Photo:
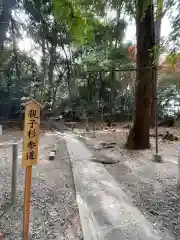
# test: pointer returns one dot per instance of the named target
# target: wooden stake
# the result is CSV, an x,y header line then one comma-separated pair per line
x,y
30,155
27,194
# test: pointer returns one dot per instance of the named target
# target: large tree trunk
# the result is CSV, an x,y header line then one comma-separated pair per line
x,y
139,133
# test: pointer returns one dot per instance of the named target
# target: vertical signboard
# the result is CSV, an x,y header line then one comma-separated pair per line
x,y
31,134
30,155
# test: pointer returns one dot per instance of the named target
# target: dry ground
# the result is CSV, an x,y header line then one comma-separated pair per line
x,y
152,186
54,212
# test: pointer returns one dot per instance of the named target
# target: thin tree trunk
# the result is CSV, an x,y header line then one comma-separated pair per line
x,y
157,43
68,65
139,133
50,72
5,17
113,73
51,62
18,72
43,62
117,26
54,97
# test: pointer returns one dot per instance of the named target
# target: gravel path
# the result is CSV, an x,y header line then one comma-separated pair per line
x,y
151,186
54,212
157,200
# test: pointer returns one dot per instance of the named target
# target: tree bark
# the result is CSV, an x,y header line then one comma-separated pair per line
x,y
52,56
5,17
18,72
139,133
157,43
43,60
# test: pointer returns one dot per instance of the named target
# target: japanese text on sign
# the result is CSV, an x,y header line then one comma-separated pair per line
x,y
31,134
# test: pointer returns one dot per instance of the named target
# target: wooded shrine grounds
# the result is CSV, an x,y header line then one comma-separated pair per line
x,y
105,77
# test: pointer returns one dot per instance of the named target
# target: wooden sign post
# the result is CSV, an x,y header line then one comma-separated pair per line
x,y
30,155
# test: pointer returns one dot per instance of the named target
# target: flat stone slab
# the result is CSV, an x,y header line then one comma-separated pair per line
x,y
106,212
97,157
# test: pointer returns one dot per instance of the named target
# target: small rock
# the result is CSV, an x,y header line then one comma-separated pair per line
x,y
153,212
170,137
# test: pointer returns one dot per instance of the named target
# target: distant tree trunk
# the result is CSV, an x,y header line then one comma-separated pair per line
x,y
153,108
50,72
43,61
157,43
52,59
54,97
5,17
139,133
18,72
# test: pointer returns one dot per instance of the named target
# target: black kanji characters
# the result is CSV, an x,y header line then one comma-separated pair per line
x,y
31,133
32,122
32,113
31,145
30,155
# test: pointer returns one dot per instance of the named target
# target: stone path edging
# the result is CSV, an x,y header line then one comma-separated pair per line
x,y
105,210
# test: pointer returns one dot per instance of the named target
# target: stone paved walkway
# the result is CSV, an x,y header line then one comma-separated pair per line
x,y
105,210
